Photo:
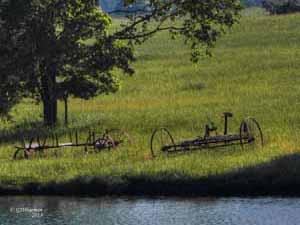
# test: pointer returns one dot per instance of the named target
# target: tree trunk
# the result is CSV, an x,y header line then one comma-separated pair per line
x,y
50,111
49,97
66,110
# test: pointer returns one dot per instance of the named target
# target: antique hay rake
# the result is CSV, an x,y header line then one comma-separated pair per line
x,y
94,142
249,134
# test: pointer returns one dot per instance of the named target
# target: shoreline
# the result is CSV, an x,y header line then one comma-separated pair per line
x,y
153,190
279,177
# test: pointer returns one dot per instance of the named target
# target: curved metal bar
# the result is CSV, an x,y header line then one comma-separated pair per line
x,y
162,129
245,122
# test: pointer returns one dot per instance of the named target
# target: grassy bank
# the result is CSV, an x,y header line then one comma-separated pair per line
x,y
254,71
279,177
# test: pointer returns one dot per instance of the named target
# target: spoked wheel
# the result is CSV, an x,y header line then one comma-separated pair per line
x,y
20,154
27,151
119,137
105,142
110,139
160,140
251,135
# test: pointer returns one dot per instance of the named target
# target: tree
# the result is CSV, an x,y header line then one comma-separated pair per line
x,y
54,48
46,51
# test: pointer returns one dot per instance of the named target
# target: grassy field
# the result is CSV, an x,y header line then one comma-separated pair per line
x,y
254,71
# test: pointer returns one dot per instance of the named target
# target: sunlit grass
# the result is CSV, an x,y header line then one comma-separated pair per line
x,y
254,71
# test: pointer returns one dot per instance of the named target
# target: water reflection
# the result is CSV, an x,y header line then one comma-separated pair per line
x,y
146,211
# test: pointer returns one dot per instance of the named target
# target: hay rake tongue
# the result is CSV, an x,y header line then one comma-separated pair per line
x,y
249,135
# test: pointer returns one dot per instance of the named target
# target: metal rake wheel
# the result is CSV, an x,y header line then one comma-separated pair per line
x,y
251,135
160,138
119,137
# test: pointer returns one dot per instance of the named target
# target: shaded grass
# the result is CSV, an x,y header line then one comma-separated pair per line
x,y
262,179
254,71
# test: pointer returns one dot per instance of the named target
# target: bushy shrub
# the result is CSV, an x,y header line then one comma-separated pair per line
x,y
281,6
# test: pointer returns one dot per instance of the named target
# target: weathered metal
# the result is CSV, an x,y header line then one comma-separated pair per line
x,y
250,134
95,142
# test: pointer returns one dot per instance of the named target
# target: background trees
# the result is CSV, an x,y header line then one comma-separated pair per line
x,y
249,3
108,5
281,6
115,5
56,48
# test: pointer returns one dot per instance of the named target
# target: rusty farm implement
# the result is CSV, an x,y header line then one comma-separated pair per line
x,y
94,142
249,134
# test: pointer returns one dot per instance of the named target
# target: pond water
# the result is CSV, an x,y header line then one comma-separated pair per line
x,y
148,211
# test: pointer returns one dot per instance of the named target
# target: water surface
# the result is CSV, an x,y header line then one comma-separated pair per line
x,y
148,211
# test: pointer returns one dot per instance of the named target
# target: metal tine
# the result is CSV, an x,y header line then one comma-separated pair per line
x,y
89,137
52,138
87,142
23,142
70,136
56,139
45,140
76,136
94,138
38,140
30,142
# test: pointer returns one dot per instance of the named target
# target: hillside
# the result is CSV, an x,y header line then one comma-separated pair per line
x,y
251,2
113,5
254,71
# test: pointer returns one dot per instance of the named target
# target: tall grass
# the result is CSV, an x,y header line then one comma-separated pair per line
x,y
254,71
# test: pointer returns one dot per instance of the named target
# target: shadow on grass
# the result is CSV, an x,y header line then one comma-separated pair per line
x,y
27,130
280,176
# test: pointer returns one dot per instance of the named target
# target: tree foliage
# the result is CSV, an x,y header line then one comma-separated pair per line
x,y
281,6
57,47
45,51
200,23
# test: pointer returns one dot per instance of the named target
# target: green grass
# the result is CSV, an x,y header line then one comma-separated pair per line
x,y
254,71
